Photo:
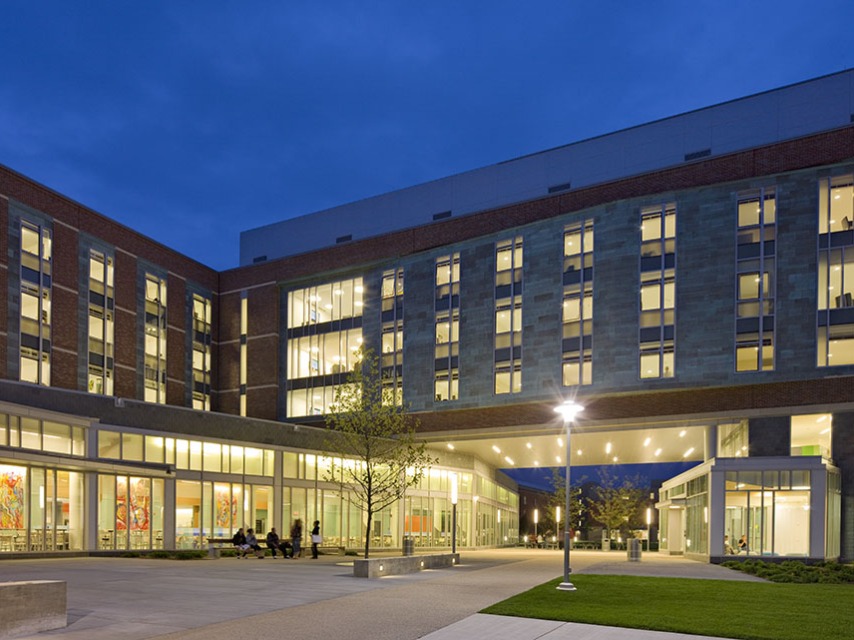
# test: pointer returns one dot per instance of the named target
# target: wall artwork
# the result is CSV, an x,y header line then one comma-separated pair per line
x,y
12,481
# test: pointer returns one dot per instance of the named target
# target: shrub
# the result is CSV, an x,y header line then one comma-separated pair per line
x,y
797,572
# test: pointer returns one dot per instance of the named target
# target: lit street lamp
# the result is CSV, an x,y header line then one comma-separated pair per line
x,y
568,410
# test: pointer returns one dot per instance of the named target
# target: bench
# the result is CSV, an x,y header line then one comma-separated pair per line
x,y
31,607
399,565
215,545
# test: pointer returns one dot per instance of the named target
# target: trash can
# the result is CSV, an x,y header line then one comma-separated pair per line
x,y
633,550
606,544
408,546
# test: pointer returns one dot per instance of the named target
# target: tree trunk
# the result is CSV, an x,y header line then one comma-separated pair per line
x,y
368,534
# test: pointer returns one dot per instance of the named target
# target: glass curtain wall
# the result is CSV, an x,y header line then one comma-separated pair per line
x,y
508,316
391,366
324,333
155,339
36,287
40,509
130,512
770,510
447,354
577,345
201,353
658,291
101,323
756,275
836,272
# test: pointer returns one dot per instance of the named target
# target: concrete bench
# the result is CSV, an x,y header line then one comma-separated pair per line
x,y
31,607
399,565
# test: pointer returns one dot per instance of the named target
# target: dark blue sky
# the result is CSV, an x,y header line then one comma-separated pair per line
x,y
192,121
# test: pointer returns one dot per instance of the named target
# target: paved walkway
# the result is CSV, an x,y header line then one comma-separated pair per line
x,y
137,599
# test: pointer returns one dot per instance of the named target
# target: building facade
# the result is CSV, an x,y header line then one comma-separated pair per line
x,y
688,281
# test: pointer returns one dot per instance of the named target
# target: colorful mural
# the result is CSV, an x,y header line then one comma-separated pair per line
x,y
12,481
226,507
138,516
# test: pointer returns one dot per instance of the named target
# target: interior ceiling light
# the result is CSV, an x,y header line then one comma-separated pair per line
x,y
450,446
557,458
657,452
536,463
509,460
560,442
529,445
822,418
615,458
578,452
688,453
496,449
682,433
608,448
647,441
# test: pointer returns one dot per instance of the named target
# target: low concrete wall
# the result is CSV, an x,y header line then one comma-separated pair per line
x,y
398,565
31,607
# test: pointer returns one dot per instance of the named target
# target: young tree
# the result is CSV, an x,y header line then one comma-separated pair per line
x,y
576,502
376,440
617,505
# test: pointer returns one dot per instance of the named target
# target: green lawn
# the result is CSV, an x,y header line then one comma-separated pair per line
x,y
729,609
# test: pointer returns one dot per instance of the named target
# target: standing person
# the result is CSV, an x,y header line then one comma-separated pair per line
x,y
239,542
252,543
316,539
296,538
273,542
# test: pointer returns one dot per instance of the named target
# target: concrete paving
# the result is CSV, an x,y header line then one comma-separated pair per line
x,y
137,599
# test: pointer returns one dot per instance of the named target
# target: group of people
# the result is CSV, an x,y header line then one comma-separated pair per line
x,y
244,542
742,546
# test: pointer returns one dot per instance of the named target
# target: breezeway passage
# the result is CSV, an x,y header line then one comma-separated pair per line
x,y
137,598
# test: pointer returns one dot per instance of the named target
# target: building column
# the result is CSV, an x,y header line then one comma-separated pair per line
x,y
770,436
842,451
711,441
169,506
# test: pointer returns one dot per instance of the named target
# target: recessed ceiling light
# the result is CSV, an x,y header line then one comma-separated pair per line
x,y
536,463
578,452
557,458
615,458
682,433
560,442
688,453
496,449
509,460
450,446
657,452
529,445
647,441
608,448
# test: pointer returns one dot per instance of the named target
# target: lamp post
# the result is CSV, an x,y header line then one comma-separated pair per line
x,y
536,522
454,510
568,410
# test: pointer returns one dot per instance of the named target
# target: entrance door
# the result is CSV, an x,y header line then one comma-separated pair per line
x,y
676,531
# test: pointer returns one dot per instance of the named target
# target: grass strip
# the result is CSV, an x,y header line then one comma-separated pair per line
x,y
723,608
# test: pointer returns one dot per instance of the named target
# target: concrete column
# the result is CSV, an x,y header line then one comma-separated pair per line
x,y
842,451
717,509
818,514
711,442
169,500
770,436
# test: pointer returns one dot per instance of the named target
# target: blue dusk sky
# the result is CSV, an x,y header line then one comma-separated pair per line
x,y
191,121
